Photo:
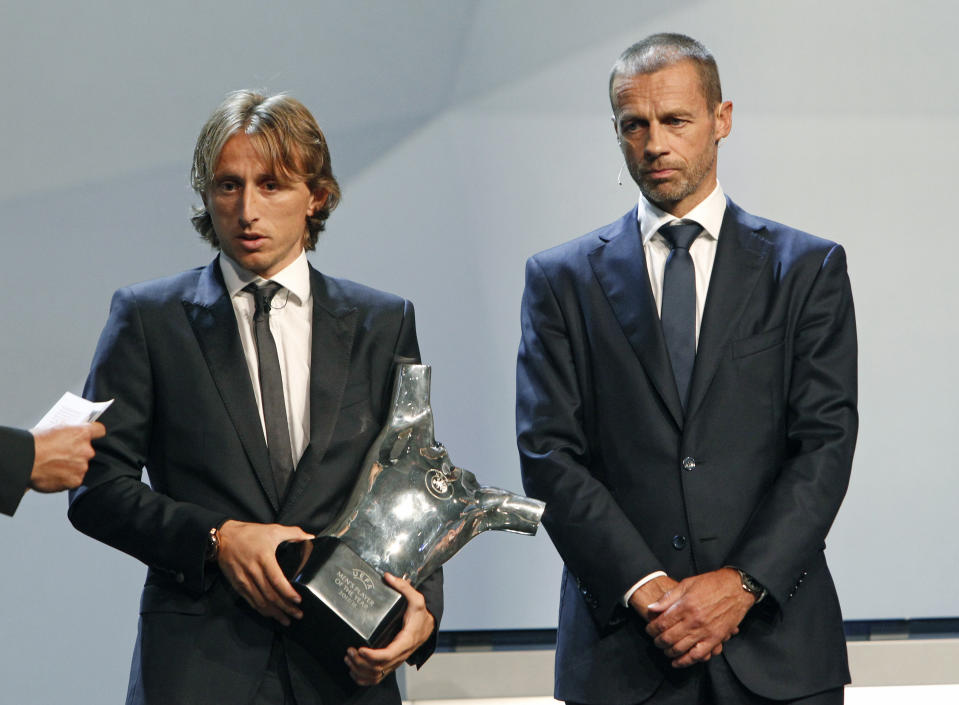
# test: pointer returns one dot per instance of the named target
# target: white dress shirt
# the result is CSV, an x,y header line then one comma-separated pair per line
x,y
708,213
291,323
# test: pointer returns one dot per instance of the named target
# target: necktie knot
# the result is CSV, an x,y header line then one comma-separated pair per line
x,y
680,235
263,296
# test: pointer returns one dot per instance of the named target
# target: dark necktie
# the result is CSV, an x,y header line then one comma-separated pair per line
x,y
271,387
679,304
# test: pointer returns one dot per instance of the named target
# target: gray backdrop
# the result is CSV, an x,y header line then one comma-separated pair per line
x,y
467,136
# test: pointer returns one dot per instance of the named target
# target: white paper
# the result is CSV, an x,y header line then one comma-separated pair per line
x,y
72,410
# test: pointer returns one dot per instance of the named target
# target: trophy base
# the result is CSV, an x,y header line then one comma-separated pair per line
x,y
345,601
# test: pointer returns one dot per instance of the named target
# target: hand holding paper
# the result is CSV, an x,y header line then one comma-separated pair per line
x,y
63,443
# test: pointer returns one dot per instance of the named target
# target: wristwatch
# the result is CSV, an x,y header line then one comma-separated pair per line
x,y
212,545
751,585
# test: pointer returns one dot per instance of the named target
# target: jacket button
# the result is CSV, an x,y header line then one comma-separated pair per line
x,y
679,542
689,464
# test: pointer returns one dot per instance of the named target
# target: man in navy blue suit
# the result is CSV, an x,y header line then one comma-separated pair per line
x,y
250,389
686,406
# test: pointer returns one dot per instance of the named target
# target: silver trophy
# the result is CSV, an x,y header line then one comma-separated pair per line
x,y
410,510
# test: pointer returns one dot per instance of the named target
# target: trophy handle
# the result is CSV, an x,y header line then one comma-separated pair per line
x,y
506,511
411,416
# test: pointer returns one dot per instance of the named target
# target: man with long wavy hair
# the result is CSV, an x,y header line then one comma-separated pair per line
x,y
250,389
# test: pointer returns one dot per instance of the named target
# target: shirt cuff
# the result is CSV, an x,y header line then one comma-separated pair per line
x,y
637,586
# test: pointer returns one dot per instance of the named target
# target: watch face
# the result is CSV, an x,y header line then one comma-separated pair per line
x,y
750,584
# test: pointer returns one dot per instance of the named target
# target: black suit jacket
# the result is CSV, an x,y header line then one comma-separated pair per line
x,y
752,476
185,409
16,463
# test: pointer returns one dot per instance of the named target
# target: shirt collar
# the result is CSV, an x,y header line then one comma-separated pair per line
x,y
708,213
295,277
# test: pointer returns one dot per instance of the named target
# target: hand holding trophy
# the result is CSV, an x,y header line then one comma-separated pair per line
x,y
410,511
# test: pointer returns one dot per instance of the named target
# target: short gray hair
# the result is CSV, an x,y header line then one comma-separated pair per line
x,y
658,51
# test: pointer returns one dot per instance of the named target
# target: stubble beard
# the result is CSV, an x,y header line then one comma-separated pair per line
x,y
667,193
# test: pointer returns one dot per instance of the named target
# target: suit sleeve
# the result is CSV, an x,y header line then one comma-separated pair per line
x,y
596,540
114,505
16,464
790,525
406,349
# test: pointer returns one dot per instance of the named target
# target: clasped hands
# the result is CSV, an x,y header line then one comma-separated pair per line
x,y
247,557
690,620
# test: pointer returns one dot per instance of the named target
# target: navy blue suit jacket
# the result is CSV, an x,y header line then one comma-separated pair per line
x,y
769,432
171,356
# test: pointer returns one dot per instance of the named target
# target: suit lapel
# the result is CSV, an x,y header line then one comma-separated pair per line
x,y
214,324
332,340
740,255
620,268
